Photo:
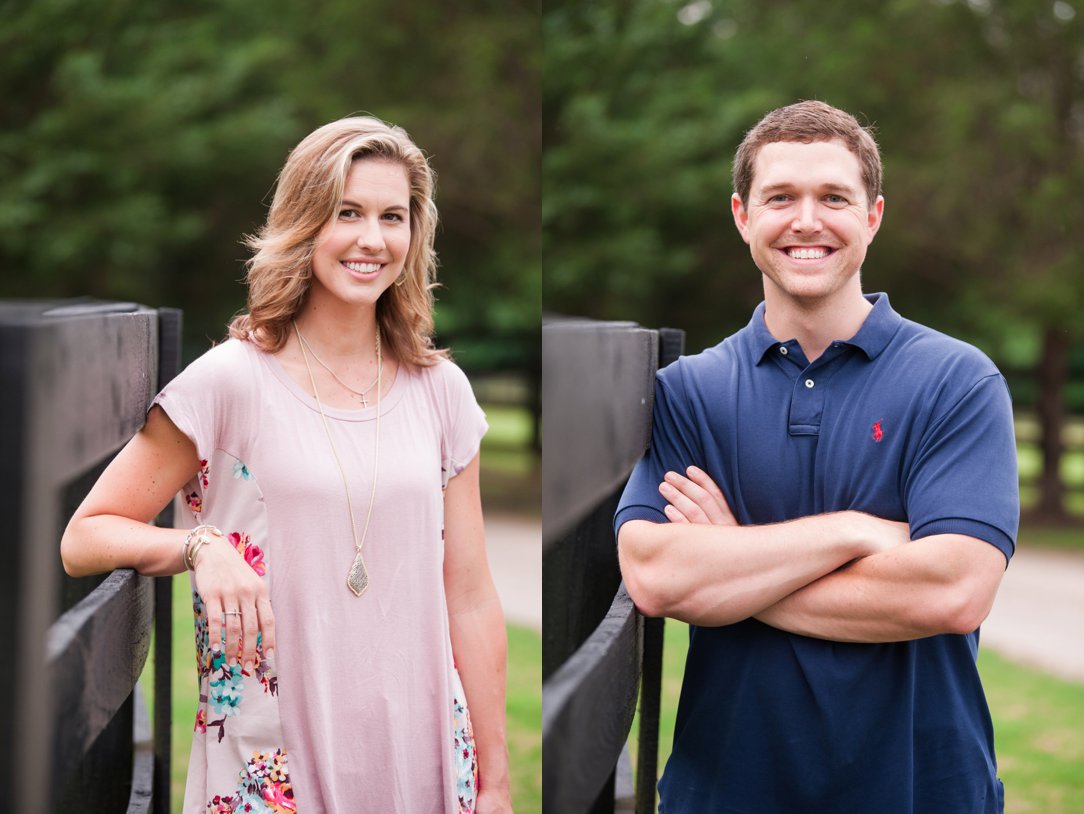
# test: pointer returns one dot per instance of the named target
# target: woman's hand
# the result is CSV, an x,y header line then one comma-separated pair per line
x,y
493,802
233,592
695,499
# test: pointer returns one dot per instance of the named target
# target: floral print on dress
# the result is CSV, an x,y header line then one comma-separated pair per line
x,y
264,788
225,682
466,758
252,554
204,474
241,471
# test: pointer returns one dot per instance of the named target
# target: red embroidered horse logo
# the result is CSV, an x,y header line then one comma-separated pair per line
x,y
878,431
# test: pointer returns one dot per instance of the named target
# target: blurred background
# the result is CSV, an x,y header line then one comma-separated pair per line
x,y
139,141
979,110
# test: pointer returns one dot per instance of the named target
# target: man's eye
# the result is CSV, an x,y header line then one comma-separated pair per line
x,y
836,199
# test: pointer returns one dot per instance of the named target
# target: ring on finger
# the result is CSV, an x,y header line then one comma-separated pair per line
x,y
231,613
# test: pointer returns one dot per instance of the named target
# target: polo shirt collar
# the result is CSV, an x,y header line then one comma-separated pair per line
x,y
872,338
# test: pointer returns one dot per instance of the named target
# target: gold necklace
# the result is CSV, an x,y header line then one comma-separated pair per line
x,y
357,579
361,394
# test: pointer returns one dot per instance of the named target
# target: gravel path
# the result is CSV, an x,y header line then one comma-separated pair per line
x,y
514,546
1038,616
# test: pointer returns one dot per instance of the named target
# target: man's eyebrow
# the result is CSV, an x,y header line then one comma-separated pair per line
x,y
786,186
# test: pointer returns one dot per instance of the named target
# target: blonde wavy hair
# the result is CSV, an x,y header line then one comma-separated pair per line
x,y
307,197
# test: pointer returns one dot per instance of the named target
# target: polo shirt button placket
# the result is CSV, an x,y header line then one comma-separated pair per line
x,y
809,383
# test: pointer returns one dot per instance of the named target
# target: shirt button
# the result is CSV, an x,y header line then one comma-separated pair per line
x,y
783,350
808,382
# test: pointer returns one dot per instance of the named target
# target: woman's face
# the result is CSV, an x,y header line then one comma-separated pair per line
x,y
361,251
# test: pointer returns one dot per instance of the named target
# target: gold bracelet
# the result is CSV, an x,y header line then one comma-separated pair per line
x,y
189,551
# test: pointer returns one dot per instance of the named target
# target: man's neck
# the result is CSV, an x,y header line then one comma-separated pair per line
x,y
815,325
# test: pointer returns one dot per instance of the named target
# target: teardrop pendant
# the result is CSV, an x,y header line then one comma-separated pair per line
x,y
358,578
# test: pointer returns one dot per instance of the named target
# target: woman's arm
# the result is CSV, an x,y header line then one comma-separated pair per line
x,y
479,640
110,530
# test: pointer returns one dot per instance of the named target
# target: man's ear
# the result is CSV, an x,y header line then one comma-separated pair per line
x,y
741,217
874,216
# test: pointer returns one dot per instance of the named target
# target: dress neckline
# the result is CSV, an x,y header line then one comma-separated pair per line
x,y
387,401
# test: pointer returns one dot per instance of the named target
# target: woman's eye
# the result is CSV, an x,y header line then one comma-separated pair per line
x,y
348,213
395,217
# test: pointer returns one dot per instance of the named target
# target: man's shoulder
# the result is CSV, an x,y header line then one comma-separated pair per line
x,y
708,366
938,354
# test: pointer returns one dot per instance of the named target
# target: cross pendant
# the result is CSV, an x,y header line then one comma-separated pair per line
x,y
364,401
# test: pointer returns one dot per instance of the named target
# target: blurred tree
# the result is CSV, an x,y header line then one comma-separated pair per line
x,y
979,112
140,140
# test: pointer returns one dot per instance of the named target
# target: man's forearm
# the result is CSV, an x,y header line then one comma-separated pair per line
x,y
718,575
940,584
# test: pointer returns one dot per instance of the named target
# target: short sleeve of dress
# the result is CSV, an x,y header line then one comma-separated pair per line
x,y
212,402
463,423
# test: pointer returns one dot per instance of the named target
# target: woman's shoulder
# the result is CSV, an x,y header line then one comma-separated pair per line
x,y
443,370
226,366
230,355
444,381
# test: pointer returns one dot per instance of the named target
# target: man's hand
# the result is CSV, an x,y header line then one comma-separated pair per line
x,y
695,498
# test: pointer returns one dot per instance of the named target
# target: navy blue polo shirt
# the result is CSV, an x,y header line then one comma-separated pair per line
x,y
901,422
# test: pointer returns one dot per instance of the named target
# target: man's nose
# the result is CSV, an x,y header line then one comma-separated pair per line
x,y
806,219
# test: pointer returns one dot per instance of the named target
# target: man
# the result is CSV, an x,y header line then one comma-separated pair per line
x,y
865,512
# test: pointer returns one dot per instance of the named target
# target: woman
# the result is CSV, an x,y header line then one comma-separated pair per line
x,y
329,457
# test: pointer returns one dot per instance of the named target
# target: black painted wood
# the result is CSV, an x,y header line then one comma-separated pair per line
x,y
170,324
671,346
76,378
597,391
96,652
580,576
587,709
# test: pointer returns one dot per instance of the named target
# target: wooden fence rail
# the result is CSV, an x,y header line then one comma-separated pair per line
x,y
597,390
76,379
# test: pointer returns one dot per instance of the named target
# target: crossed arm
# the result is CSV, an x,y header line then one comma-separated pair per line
x,y
845,576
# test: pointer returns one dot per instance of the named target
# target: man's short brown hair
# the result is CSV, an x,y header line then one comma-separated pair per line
x,y
808,122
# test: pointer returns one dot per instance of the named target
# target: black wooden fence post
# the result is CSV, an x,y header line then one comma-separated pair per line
x,y
671,346
76,379
598,386
170,322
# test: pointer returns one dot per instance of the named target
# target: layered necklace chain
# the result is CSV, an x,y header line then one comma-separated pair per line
x,y
357,579
361,394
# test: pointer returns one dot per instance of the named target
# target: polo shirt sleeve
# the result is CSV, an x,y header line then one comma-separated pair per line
x,y
964,477
673,443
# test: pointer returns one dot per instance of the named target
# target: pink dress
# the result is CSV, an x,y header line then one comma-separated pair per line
x,y
360,708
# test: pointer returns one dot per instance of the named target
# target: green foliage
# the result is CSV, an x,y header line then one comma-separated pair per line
x,y
139,143
977,108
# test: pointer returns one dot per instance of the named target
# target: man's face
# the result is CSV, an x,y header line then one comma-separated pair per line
x,y
808,222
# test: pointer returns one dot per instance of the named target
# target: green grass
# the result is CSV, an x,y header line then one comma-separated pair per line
x,y
524,704
524,708
1039,737
1038,728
